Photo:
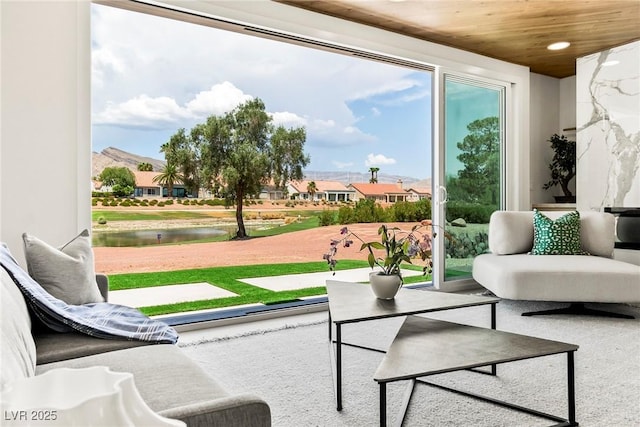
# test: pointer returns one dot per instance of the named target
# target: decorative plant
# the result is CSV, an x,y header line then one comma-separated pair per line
x,y
563,164
399,246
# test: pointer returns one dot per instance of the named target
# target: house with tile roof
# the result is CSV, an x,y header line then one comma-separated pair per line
x,y
146,187
416,194
331,191
383,193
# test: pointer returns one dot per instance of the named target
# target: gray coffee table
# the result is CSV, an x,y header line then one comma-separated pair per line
x,y
354,302
426,347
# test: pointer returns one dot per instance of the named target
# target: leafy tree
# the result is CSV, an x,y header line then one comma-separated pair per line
x,y
122,190
286,154
374,175
169,177
145,167
312,189
241,151
181,151
480,155
121,180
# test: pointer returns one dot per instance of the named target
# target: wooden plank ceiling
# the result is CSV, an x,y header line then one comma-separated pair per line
x,y
516,31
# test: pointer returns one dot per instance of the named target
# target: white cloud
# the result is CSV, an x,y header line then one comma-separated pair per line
x,y
378,159
393,86
220,99
404,98
341,165
288,120
143,111
375,112
103,63
162,111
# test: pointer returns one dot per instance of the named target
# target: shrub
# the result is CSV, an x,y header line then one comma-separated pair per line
x,y
466,246
367,211
471,212
345,215
273,215
327,217
102,220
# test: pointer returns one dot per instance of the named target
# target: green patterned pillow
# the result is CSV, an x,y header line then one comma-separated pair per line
x,y
559,237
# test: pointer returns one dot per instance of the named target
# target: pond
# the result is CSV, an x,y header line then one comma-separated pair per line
x,y
162,236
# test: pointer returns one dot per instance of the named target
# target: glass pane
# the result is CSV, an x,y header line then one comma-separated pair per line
x,y
473,141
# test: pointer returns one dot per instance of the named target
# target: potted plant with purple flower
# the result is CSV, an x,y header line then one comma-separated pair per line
x,y
395,246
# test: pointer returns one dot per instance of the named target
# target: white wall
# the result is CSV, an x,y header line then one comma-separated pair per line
x,y
567,113
545,98
553,108
45,114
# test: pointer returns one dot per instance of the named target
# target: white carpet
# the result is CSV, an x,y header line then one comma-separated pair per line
x,y
290,368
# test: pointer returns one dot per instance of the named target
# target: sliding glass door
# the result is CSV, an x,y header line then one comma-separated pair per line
x,y
470,174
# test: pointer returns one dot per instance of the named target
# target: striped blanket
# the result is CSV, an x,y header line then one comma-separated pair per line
x,y
101,320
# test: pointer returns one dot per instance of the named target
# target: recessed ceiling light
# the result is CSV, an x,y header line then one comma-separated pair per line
x,y
558,46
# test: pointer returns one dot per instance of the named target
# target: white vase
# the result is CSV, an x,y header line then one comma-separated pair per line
x,y
88,397
385,286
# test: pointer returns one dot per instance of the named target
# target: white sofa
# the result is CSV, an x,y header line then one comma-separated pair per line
x,y
510,272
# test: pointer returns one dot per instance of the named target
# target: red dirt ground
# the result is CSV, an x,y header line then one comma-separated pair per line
x,y
300,246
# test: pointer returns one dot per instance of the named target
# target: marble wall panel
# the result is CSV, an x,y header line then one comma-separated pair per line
x,y
608,128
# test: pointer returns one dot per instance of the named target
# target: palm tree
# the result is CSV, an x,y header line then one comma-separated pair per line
x,y
312,189
145,167
374,175
169,177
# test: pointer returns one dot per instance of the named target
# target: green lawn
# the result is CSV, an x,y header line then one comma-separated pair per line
x,y
227,278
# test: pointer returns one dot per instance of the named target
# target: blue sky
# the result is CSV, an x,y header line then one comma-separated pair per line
x,y
152,76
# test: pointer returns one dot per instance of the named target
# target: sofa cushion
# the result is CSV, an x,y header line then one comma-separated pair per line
x,y
510,232
66,273
571,278
164,375
54,347
556,237
18,350
597,233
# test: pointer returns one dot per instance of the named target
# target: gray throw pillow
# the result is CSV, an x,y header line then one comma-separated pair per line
x,y
67,273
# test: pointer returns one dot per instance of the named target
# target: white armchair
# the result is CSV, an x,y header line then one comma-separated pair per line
x,y
510,272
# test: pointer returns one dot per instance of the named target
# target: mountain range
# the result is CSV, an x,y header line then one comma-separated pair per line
x,y
114,157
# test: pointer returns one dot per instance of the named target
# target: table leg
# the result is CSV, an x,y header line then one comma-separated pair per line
x,y
383,404
494,369
571,389
338,367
